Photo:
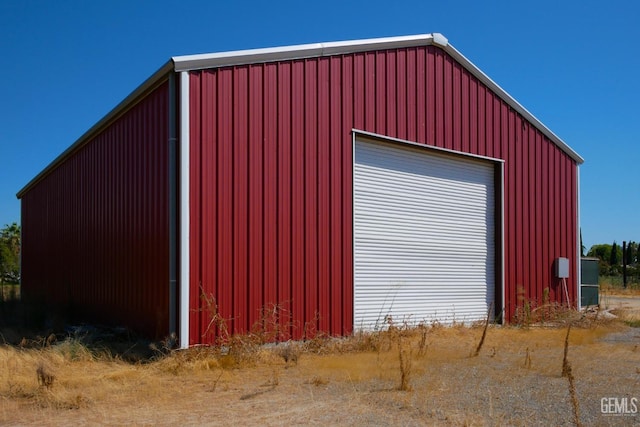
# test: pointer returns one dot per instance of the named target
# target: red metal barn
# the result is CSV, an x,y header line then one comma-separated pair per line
x,y
325,187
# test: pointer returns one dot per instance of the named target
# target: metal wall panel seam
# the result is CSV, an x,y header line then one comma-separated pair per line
x,y
380,94
239,196
323,167
256,200
311,193
270,299
421,93
298,194
400,86
334,138
184,210
196,231
283,178
346,166
206,220
197,280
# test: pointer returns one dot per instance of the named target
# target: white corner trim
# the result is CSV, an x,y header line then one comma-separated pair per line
x,y
183,174
502,244
579,243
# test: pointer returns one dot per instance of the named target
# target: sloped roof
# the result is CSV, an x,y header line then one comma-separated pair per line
x,y
213,60
253,56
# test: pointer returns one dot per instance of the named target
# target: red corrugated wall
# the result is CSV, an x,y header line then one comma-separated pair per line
x,y
95,229
271,182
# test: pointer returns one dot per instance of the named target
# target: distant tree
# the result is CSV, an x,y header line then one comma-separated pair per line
x,y
10,254
582,248
601,251
615,257
632,253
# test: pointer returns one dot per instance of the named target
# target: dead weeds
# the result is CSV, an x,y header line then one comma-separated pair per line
x,y
354,380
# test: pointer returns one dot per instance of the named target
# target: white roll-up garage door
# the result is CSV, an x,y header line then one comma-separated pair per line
x,y
424,236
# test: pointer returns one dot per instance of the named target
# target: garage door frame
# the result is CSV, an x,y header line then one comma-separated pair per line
x,y
498,165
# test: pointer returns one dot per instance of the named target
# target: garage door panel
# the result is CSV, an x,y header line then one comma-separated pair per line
x,y
424,245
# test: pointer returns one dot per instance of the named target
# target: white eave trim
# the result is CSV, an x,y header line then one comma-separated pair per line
x,y
313,50
155,79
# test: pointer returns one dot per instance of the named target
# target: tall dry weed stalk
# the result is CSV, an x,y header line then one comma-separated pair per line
x,y
404,356
527,359
523,310
398,334
217,324
484,332
422,344
595,318
290,352
274,324
45,376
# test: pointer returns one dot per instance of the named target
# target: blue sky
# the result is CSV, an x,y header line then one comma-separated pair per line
x,y
574,65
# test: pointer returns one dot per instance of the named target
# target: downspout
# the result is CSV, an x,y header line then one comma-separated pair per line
x,y
184,214
503,309
173,216
579,245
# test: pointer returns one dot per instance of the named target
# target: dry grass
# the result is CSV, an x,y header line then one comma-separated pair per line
x,y
406,376
613,286
623,304
630,317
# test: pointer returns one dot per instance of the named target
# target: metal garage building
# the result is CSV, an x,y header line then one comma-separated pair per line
x,y
323,187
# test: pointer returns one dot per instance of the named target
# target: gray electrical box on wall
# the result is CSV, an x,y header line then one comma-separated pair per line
x,y
562,268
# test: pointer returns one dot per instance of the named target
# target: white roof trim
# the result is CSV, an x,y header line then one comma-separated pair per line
x,y
512,102
155,79
253,56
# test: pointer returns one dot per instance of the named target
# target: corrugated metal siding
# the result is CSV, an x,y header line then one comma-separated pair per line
x,y
266,231
283,236
424,236
95,230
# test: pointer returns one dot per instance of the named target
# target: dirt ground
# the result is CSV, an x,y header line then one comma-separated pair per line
x,y
626,302
516,380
